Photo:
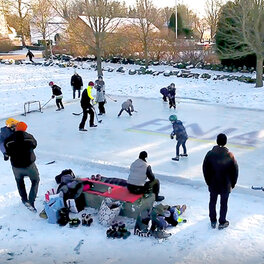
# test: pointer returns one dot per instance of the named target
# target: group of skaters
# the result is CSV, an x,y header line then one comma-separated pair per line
x,y
87,100
220,168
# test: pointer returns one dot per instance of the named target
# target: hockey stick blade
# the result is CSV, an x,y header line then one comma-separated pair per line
x,y
50,162
77,114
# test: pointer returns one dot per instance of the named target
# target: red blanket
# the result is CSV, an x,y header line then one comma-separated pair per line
x,y
117,192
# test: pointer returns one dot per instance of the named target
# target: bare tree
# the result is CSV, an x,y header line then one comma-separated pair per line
x,y
200,26
42,14
100,16
144,28
212,9
21,8
242,26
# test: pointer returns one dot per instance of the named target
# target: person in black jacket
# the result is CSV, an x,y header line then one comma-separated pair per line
x,y
20,147
87,106
76,83
30,55
220,171
56,92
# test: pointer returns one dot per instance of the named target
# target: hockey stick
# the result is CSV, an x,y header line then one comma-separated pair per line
x,y
99,121
77,114
46,103
111,98
257,188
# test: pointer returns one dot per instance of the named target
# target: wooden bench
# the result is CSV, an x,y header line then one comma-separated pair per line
x,y
132,204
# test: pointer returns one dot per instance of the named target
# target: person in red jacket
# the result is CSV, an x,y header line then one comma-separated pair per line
x,y
220,171
20,147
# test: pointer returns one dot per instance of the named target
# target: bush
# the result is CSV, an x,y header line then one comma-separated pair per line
x,y
5,45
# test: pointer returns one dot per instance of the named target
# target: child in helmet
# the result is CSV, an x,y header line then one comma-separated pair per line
x,y
127,106
56,92
99,83
181,136
6,132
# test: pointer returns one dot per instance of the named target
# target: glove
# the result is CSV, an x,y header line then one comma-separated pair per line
x,y
53,96
81,87
171,136
6,157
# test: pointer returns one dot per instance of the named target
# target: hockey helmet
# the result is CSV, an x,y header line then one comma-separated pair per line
x,y
173,118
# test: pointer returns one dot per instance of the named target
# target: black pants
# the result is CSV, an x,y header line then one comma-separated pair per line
x,y
223,206
164,98
101,107
127,110
85,115
172,102
59,103
74,91
150,186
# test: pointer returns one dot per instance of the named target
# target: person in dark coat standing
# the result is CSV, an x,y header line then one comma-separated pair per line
x,y
171,95
30,55
20,147
56,92
181,136
87,106
76,83
220,171
164,91
139,172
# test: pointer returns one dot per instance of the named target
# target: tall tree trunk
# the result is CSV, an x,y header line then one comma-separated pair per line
x,y
98,55
146,54
259,71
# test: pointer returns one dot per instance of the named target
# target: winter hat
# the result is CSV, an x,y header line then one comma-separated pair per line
x,y
11,122
221,139
21,126
172,85
51,83
143,155
100,77
91,83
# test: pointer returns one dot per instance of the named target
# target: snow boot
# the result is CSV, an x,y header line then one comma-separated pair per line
x,y
159,198
58,109
224,225
82,129
213,225
176,158
30,207
86,219
93,125
75,222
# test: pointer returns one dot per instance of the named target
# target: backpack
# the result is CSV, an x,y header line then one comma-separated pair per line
x,y
60,178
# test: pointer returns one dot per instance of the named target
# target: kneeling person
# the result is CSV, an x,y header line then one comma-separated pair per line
x,y
140,171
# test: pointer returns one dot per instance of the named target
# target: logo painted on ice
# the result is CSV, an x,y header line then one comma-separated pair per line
x,y
194,131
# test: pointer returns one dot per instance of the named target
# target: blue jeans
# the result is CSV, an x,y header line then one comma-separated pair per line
x,y
32,172
223,206
181,142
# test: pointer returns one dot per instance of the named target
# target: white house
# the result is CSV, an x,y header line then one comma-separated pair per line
x,y
55,27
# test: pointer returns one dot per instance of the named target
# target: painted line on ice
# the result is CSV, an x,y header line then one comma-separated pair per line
x,y
190,138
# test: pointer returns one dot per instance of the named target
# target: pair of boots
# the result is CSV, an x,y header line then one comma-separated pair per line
x,y
86,219
118,230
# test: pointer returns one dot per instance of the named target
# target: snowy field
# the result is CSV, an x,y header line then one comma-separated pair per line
x,y
206,107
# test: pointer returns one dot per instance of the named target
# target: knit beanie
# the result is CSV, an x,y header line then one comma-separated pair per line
x,y
21,126
143,155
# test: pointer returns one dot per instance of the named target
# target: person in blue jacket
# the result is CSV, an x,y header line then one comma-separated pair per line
x,y
164,91
181,136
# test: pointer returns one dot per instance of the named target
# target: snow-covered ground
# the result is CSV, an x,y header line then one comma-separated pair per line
x,y
206,107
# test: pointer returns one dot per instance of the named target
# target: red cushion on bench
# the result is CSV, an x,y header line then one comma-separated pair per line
x,y
117,192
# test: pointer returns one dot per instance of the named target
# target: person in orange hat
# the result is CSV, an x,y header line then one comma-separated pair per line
x,y
20,147
6,132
